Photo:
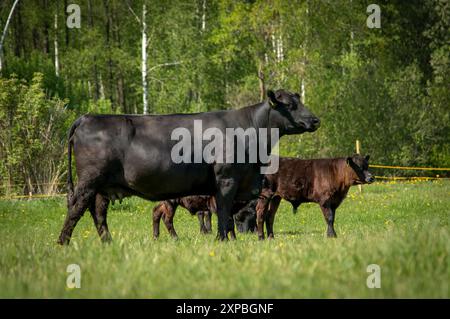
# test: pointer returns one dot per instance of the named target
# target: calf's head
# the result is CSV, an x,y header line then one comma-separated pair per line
x,y
289,114
360,166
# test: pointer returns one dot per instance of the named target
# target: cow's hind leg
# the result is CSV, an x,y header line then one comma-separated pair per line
x,y
270,216
328,214
76,207
99,211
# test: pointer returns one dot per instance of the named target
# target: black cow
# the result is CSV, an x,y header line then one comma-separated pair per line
x,y
125,155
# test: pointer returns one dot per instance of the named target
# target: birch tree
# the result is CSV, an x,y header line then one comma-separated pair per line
x,y
144,43
144,61
5,30
56,46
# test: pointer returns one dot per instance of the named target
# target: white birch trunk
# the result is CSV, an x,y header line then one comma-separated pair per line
x,y
303,89
102,87
303,84
56,46
144,62
204,15
5,30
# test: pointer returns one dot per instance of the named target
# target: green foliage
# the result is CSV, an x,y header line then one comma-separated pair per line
x,y
33,136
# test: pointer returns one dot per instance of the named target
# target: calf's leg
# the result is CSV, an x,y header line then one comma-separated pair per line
x,y
158,212
201,217
328,214
270,216
261,209
168,216
99,211
207,221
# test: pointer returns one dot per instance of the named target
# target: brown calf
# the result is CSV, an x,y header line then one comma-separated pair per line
x,y
244,214
322,181
203,206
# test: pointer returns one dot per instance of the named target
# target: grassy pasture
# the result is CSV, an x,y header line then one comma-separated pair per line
x,y
402,227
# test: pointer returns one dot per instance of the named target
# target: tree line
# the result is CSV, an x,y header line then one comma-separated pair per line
x,y
387,86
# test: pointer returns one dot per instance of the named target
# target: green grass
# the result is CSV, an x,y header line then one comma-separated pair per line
x,y
402,227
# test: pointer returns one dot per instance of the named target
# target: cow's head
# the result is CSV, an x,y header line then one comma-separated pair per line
x,y
289,114
360,166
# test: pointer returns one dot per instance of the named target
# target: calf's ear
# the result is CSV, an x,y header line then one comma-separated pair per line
x,y
349,160
272,98
367,157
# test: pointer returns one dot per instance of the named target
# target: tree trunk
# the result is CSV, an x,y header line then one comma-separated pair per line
x,y
96,82
56,46
108,46
203,15
67,33
144,62
262,85
5,30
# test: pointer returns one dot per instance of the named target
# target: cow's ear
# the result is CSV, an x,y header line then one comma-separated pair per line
x,y
367,157
272,98
297,96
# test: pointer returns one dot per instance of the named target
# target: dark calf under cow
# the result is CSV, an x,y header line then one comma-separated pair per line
x,y
130,155
244,214
322,181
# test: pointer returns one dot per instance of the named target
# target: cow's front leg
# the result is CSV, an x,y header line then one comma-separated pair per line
x,y
328,214
226,191
230,228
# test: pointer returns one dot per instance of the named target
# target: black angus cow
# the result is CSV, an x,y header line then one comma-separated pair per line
x,y
323,181
125,155
244,214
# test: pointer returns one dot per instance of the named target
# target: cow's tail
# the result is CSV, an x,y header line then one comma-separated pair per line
x,y
69,159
